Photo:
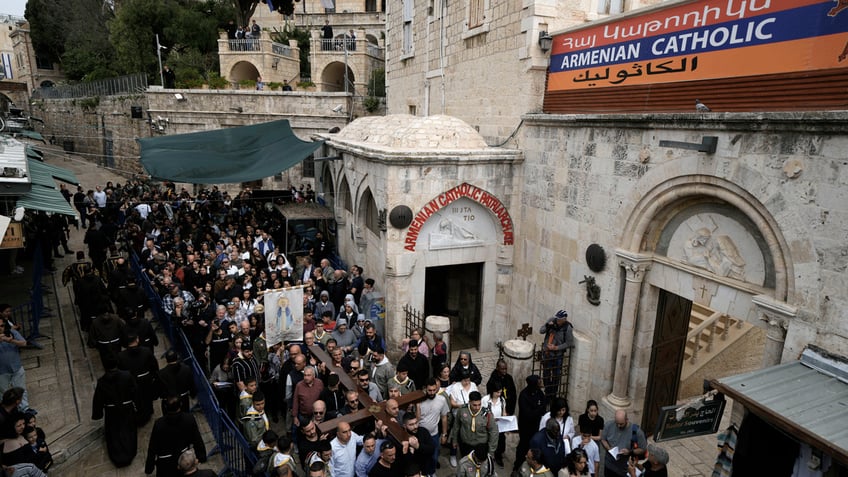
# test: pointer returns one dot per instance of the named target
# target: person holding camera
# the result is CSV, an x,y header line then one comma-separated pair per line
x,y
559,336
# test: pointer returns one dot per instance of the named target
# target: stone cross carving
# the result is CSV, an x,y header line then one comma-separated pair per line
x,y
525,331
371,409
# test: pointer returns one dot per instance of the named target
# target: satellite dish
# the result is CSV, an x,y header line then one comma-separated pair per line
x,y
19,214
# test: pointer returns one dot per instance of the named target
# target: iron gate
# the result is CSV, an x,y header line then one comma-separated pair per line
x,y
414,319
552,367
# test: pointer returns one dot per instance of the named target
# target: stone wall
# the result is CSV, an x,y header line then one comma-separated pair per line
x,y
89,122
487,76
586,180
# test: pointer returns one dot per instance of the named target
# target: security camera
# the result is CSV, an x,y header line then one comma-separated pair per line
x,y
338,109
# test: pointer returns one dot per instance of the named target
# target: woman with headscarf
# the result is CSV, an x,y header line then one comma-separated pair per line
x,y
464,363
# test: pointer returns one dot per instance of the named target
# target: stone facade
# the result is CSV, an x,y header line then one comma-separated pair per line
x,y
606,180
95,125
488,75
442,170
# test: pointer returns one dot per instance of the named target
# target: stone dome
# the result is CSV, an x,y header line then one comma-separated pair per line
x,y
407,132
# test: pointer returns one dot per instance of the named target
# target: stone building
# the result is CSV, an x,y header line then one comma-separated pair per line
x,y
721,231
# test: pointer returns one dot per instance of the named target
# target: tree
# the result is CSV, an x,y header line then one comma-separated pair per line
x,y
133,33
48,26
245,9
88,53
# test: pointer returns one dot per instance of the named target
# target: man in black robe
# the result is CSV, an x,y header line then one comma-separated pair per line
x,y
141,364
175,379
172,433
90,296
531,408
113,397
105,334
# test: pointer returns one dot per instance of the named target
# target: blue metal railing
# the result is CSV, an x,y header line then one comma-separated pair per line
x,y
236,452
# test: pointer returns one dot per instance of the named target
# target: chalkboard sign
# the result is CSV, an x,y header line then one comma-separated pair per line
x,y
692,422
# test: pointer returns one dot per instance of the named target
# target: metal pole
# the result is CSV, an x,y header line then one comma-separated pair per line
x,y
159,55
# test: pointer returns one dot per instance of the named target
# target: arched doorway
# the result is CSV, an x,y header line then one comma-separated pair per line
x,y
333,78
701,250
243,70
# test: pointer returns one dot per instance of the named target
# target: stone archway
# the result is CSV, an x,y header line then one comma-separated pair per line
x,y
677,210
243,70
333,78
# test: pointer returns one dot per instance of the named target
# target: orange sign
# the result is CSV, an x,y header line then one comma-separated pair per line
x,y
14,237
706,39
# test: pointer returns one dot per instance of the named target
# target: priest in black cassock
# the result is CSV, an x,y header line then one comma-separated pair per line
x,y
113,398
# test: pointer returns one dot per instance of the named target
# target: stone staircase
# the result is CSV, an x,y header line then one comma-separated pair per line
x,y
710,333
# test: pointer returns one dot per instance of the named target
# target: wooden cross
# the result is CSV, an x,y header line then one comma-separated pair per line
x,y
525,331
370,409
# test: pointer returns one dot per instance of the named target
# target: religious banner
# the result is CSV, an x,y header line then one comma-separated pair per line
x,y
283,315
700,40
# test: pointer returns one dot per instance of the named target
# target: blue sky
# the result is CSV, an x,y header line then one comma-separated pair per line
x,y
15,7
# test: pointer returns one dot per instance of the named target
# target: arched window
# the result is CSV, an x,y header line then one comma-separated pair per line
x,y
368,212
344,195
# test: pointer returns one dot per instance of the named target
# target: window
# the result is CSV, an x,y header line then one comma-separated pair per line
x,y
476,13
308,166
43,63
344,195
408,14
369,213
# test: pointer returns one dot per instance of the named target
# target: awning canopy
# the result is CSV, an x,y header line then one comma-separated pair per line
x,y
46,199
807,399
42,170
225,156
44,195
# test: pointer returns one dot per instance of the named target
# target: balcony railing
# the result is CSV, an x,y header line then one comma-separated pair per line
x,y
259,46
340,45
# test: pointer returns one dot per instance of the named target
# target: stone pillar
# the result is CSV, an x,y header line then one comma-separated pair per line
x,y
518,355
777,315
442,324
635,267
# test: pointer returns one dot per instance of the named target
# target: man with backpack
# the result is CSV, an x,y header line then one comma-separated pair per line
x,y
627,439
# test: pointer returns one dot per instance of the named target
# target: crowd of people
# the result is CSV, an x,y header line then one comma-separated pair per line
x,y
210,257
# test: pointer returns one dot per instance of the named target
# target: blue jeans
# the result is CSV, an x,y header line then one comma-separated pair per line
x,y
430,468
15,380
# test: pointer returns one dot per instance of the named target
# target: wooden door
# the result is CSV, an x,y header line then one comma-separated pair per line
x,y
666,357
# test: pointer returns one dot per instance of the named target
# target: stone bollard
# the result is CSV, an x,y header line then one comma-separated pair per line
x,y
518,355
441,324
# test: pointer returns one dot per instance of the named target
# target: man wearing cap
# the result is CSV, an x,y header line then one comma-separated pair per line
x,y
654,466
559,336
245,365
345,339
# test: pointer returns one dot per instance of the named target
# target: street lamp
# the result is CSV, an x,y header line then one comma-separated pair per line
x,y
159,49
545,41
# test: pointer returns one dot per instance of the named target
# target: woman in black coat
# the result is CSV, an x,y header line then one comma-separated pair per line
x,y
531,407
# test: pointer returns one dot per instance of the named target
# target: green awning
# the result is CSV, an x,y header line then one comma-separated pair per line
x,y
31,134
225,156
52,172
33,153
47,199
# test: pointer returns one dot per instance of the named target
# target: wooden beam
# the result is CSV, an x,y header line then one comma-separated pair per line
x,y
370,409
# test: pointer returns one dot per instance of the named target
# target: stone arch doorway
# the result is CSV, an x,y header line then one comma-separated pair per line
x,y
243,70
333,78
693,242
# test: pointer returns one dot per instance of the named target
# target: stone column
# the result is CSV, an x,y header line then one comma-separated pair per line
x,y
442,324
777,315
635,266
518,355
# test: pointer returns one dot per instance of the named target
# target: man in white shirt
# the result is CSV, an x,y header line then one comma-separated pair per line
x,y
100,197
344,451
